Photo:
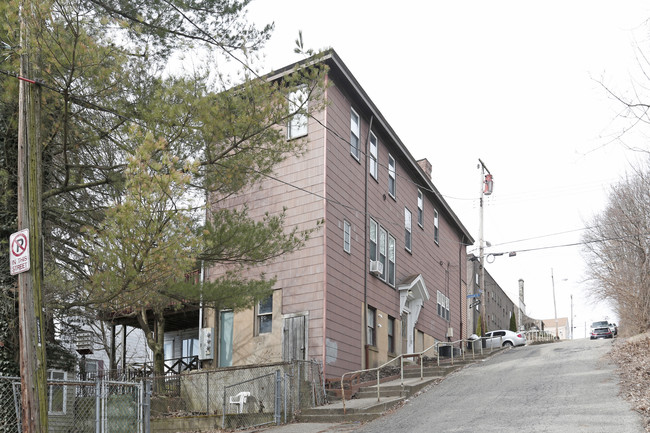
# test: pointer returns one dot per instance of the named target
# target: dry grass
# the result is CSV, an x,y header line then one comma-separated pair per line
x,y
632,355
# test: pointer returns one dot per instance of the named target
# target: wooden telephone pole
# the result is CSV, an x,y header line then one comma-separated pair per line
x,y
33,369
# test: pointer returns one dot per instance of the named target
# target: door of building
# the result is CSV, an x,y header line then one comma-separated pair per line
x,y
294,337
225,338
408,331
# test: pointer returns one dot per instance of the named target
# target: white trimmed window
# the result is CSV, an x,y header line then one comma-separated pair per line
x,y
354,133
56,394
407,229
436,230
443,306
265,315
391,176
382,249
373,240
391,261
373,156
420,209
346,236
298,123
382,252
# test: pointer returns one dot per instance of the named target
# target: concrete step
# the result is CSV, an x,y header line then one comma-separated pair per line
x,y
396,389
430,371
355,410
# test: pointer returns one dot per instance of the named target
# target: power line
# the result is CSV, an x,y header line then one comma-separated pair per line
x,y
343,140
573,244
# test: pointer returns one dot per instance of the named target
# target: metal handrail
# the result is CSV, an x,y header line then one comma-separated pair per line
x,y
401,357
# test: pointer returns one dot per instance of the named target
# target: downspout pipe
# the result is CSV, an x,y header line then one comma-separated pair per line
x,y
364,331
460,283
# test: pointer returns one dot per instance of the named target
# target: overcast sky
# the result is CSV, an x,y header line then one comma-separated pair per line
x,y
515,83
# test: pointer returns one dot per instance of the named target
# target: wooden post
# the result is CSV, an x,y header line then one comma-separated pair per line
x,y
33,369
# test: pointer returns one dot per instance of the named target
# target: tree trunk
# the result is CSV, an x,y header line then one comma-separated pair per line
x,y
158,348
156,341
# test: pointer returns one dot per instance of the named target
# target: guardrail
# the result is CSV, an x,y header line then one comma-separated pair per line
x,y
535,336
420,356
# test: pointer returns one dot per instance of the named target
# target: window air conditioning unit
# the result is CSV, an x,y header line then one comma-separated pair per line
x,y
376,267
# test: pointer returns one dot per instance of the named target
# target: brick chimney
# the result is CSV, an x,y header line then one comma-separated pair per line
x,y
426,166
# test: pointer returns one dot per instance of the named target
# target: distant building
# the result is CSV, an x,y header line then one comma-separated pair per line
x,y
498,306
563,327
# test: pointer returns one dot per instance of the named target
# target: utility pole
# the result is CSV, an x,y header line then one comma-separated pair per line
x,y
557,337
486,189
33,369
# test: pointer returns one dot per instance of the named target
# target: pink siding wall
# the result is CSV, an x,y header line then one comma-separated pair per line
x,y
300,275
345,272
328,283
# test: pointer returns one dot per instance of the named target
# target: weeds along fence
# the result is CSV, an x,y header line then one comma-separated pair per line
x,y
234,397
99,406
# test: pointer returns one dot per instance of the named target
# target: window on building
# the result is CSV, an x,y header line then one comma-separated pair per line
x,y
391,261
391,334
298,122
373,240
382,251
407,229
265,315
56,394
373,155
346,236
391,176
420,209
169,353
354,133
371,320
189,348
443,305
436,231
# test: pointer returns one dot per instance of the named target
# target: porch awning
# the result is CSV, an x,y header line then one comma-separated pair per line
x,y
412,294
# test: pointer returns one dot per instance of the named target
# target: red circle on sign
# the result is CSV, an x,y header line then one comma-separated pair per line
x,y
18,248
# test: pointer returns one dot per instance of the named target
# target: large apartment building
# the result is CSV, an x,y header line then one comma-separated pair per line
x,y
384,275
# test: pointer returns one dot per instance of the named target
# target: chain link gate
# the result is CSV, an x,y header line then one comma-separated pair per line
x,y
101,406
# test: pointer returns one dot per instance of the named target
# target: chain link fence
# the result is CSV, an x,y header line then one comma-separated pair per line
x,y
236,397
228,398
101,406
9,405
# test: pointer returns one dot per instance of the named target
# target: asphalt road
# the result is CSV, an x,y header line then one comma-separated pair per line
x,y
563,387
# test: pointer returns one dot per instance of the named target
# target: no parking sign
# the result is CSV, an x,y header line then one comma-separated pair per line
x,y
19,252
